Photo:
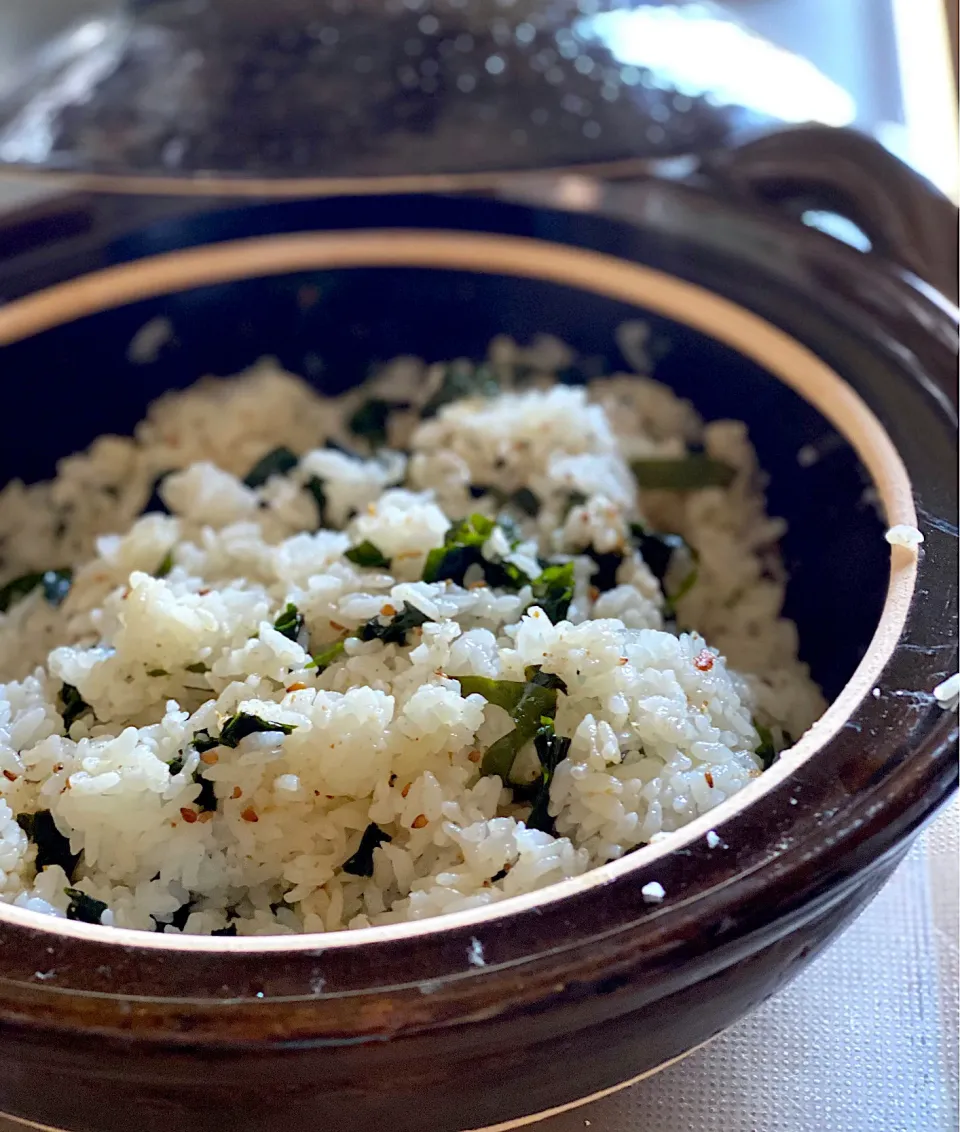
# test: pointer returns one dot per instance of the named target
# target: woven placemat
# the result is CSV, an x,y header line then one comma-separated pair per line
x,y
865,1040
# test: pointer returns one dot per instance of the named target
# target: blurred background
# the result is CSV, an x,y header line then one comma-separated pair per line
x,y
886,66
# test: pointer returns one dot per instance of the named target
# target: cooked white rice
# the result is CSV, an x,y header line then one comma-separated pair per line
x,y
253,838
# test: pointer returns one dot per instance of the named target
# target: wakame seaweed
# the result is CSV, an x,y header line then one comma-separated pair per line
x,y
370,419
767,751
279,462
166,565
56,585
367,555
204,741
361,863
553,590
315,486
396,629
462,548
73,705
242,724
528,704
682,473
461,379
84,908
52,847
326,656
551,750
290,622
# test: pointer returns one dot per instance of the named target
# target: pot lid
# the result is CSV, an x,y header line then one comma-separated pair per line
x,y
385,88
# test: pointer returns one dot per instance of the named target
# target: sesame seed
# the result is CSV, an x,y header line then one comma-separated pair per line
x,y
211,758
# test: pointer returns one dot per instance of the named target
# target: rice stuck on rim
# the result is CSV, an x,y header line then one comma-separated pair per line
x,y
282,663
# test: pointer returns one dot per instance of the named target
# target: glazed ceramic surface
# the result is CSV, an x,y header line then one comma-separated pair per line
x,y
587,985
335,88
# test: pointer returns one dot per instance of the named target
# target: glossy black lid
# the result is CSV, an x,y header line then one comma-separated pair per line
x,y
344,88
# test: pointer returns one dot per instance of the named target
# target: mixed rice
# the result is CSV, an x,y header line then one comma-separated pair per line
x,y
283,663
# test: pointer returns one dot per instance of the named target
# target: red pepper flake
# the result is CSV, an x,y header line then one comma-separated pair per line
x,y
709,777
211,758
388,611
202,593
206,816
703,661
9,776
188,815
406,790
250,814
474,756
337,627
297,687
594,593
419,821
237,792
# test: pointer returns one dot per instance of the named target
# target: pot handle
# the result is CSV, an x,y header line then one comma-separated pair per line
x,y
906,219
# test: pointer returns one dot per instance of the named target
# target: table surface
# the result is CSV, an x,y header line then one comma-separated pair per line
x,y
865,1040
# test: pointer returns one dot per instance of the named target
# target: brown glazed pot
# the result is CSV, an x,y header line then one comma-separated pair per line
x,y
585,986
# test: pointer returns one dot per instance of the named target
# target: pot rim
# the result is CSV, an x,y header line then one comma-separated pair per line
x,y
749,334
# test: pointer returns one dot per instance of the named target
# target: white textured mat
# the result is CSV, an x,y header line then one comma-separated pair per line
x,y
865,1040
